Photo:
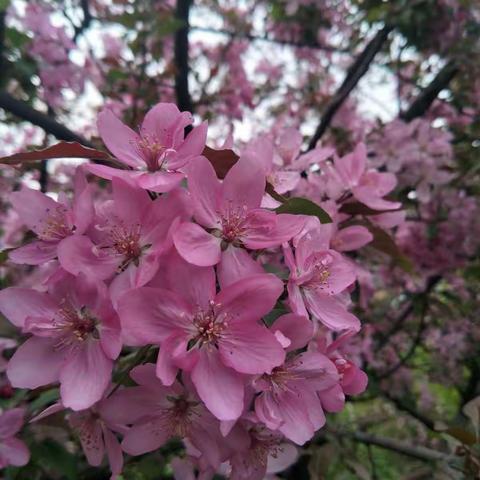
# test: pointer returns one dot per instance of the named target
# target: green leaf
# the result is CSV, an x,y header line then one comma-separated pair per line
x,y
52,456
276,270
44,399
16,38
383,242
4,255
303,206
4,4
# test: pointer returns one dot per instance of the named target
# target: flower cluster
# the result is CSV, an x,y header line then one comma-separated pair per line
x,y
227,308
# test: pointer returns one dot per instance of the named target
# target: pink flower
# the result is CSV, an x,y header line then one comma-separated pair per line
x,y
97,436
216,337
96,433
351,238
367,186
159,413
317,278
12,450
288,401
353,380
263,149
75,338
52,221
229,219
157,153
129,235
267,453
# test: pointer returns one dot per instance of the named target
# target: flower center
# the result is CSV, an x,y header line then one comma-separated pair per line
x,y
125,241
263,445
209,325
279,379
151,150
319,273
55,226
233,223
73,327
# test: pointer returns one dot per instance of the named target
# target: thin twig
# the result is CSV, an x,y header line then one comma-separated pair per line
x,y
264,38
26,112
428,95
418,452
356,71
184,101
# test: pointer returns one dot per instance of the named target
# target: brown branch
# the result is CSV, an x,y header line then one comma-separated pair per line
x,y
398,323
401,405
184,101
3,14
25,112
397,446
356,71
263,38
428,95
86,21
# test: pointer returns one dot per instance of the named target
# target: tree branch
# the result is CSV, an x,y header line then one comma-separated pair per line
x,y
86,21
263,38
423,419
356,71
25,112
418,452
398,323
182,92
428,95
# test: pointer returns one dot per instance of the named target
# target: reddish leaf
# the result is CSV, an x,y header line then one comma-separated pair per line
x,y
358,208
222,160
59,150
383,242
463,436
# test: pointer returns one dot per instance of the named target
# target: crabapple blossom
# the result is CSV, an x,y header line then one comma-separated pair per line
x,y
156,156
13,451
75,337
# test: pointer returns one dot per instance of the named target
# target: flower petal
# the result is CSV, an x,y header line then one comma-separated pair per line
x,y
146,437
220,387
194,142
121,140
331,312
206,191
297,328
85,376
244,185
11,422
150,315
160,181
351,238
16,304
14,451
236,264
33,207
35,363
250,298
250,348
77,254
196,245
34,253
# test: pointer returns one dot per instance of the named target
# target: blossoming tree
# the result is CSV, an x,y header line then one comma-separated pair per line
x,y
239,239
